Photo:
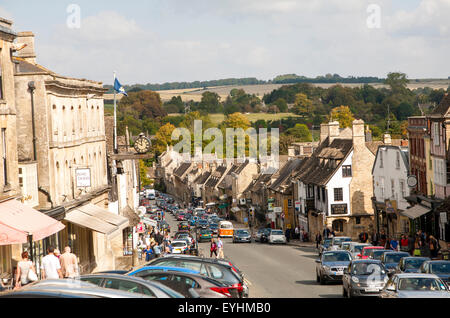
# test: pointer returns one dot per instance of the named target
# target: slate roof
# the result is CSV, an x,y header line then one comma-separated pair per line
x,y
215,176
443,107
201,179
237,168
181,170
289,169
257,184
314,170
26,67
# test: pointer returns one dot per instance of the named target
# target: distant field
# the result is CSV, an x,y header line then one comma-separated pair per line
x,y
218,118
195,94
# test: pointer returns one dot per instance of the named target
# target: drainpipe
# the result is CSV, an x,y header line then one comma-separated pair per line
x,y
31,88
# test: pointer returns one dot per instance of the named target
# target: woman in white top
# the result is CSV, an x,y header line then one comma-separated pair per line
x,y
23,268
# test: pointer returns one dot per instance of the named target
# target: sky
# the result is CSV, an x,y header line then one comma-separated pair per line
x,y
157,41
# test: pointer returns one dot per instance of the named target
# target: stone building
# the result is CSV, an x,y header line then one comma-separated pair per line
x,y
61,127
335,183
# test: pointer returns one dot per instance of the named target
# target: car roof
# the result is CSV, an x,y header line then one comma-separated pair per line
x,y
337,251
373,248
224,262
396,252
413,275
439,261
163,269
366,261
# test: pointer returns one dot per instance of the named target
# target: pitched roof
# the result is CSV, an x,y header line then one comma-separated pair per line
x,y
237,168
257,185
201,179
27,67
286,172
315,170
181,170
373,146
443,107
215,177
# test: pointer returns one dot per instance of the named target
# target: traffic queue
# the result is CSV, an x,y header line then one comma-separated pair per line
x,y
169,273
367,270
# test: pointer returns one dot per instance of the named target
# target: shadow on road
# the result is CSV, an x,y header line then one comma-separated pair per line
x,y
307,282
330,296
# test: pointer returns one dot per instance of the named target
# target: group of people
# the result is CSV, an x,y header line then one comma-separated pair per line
x,y
420,244
53,266
216,248
153,244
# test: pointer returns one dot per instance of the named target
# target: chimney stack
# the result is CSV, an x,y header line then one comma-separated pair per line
x,y
359,138
28,53
333,130
323,132
387,139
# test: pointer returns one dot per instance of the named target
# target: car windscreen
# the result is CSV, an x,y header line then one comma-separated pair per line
x,y
339,240
278,232
327,241
414,263
213,226
178,244
226,226
358,248
393,258
366,269
336,257
376,254
420,284
205,232
440,268
242,232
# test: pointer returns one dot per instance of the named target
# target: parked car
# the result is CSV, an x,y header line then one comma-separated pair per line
x,y
242,235
184,282
356,248
276,236
331,265
408,285
68,288
364,277
131,284
262,235
366,251
391,260
221,270
180,246
438,268
410,264
205,235
337,241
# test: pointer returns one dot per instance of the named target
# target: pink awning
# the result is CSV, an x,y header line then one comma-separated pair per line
x,y
17,221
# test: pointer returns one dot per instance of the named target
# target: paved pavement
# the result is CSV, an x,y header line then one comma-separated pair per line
x,y
275,271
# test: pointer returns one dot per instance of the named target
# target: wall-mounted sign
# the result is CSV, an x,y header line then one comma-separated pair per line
x,y
338,209
83,177
298,206
270,207
277,209
391,206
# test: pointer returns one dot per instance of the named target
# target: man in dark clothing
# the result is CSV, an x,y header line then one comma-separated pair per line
x,y
363,236
326,233
374,238
288,234
318,239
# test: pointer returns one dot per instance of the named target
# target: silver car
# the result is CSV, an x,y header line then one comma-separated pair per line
x,y
356,248
337,241
331,266
415,286
364,277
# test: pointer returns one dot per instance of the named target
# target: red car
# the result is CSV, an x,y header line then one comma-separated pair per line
x,y
366,251
180,217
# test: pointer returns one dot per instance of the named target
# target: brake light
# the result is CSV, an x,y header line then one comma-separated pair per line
x,y
239,287
222,290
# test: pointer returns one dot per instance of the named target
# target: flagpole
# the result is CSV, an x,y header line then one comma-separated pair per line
x,y
115,116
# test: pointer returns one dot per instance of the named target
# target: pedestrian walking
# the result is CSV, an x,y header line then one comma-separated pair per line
x,y
434,247
220,248
51,268
417,246
25,272
404,244
297,233
383,239
301,235
148,253
57,253
318,239
156,250
213,248
393,244
69,264
374,238
288,234
411,244
363,236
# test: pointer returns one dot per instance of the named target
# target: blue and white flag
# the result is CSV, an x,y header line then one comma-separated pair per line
x,y
119,88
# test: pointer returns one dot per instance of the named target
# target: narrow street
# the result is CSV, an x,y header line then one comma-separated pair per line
x,y
274,271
